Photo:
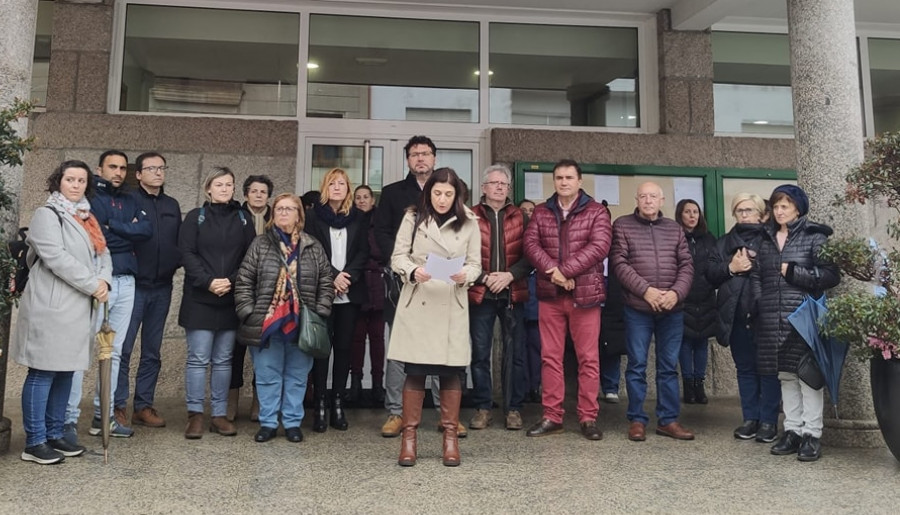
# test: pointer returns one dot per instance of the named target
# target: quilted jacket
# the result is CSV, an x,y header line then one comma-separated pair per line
x,y
577,244
775,296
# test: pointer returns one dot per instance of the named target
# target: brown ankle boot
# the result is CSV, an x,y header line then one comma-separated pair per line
x,y
222,426
412,416
194,429
450,400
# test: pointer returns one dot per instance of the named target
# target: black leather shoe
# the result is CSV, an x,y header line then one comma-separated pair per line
x,y
293,434
767,433
590,430
320,423
747,430
378,395
265,434
338,418
544,428
789,443
810,449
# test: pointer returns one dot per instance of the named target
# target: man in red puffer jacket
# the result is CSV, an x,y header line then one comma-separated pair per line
x,y
567,240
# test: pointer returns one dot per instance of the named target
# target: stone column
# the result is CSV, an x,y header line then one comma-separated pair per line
x,y
685,79
829,142
17,25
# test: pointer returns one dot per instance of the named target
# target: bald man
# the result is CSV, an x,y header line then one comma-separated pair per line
x,y
651,259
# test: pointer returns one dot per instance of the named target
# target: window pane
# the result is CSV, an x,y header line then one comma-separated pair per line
x,y
40,66
752,76
350,158
884,65
563,75
219,61
392,69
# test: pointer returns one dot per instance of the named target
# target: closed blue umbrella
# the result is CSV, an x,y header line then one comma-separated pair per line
x,y
830,354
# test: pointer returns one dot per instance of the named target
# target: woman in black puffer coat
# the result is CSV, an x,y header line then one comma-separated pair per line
x,y
700,304
788,269
729,271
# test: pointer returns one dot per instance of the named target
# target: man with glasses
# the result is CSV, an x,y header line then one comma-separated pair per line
x,y
651,258
567,240
499,293
123,224
395,199
157,259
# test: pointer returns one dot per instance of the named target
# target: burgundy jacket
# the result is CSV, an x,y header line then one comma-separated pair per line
x,y
646,254
577,245
506,257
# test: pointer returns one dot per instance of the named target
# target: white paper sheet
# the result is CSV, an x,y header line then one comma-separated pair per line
x,y
442,268
534,187
606,187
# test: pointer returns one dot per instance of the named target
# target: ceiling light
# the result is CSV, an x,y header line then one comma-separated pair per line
x,y
761,122
479,73
311,66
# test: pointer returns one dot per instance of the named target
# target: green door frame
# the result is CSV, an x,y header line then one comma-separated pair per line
x,y
713,178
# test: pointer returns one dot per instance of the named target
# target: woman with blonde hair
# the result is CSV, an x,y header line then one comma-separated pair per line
x,y
729,271
213,240
284,267
342,230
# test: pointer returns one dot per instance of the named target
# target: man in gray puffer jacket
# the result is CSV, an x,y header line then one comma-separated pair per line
x,y
650,256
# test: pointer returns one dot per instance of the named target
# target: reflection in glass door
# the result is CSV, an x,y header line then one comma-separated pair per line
x,y
364,163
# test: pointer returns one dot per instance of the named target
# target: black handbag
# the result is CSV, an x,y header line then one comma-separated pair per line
x,y
314,339
393,282
810,373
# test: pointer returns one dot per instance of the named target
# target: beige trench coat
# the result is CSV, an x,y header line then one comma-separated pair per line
x,y
432,322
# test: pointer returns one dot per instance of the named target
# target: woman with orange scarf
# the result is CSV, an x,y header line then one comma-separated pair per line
x,y
70,268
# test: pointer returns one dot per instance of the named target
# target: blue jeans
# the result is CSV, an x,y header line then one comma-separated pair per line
x,y
281,371
693,356
44,398
151,306
207,347
121,303
668,329
512,356
760,394
610,373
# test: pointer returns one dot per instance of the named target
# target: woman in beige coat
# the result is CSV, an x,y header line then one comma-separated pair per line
x,y
431,328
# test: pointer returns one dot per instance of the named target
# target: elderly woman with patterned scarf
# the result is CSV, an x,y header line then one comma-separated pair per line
x,y
283,268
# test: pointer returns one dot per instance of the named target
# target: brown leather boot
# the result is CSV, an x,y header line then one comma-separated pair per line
x,y
194,429
412,416
450,400
222,426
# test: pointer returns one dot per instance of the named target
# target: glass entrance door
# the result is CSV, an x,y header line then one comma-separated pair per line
x,y
362,160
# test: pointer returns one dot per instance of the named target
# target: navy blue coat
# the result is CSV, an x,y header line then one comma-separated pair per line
x,y
123,224
158,257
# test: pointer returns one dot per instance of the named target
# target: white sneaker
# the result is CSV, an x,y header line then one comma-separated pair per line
x,y
611,398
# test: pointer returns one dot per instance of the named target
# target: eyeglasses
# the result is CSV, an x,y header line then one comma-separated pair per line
x,y
285,209
155,169
416,155
745,211
497,183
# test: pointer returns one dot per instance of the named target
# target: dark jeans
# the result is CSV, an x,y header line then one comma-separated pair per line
x,y
610,373
693,356
760,394
151,307
667,329
532,355
342,323
512,357
44,398
369,323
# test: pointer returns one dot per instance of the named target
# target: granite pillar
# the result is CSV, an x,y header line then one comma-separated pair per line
x,y
828,143
685,79
17,25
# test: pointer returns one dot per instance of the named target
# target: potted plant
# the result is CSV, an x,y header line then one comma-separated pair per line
x,y
869,319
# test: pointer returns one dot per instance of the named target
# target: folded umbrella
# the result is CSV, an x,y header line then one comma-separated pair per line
x,y
830,354
105,339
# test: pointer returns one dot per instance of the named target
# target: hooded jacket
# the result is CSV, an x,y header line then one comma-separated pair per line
x,y
123,222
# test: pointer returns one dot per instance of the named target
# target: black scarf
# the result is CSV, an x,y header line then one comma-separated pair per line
x,y
332,219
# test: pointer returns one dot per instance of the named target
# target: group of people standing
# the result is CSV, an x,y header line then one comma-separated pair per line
x,y
249,269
